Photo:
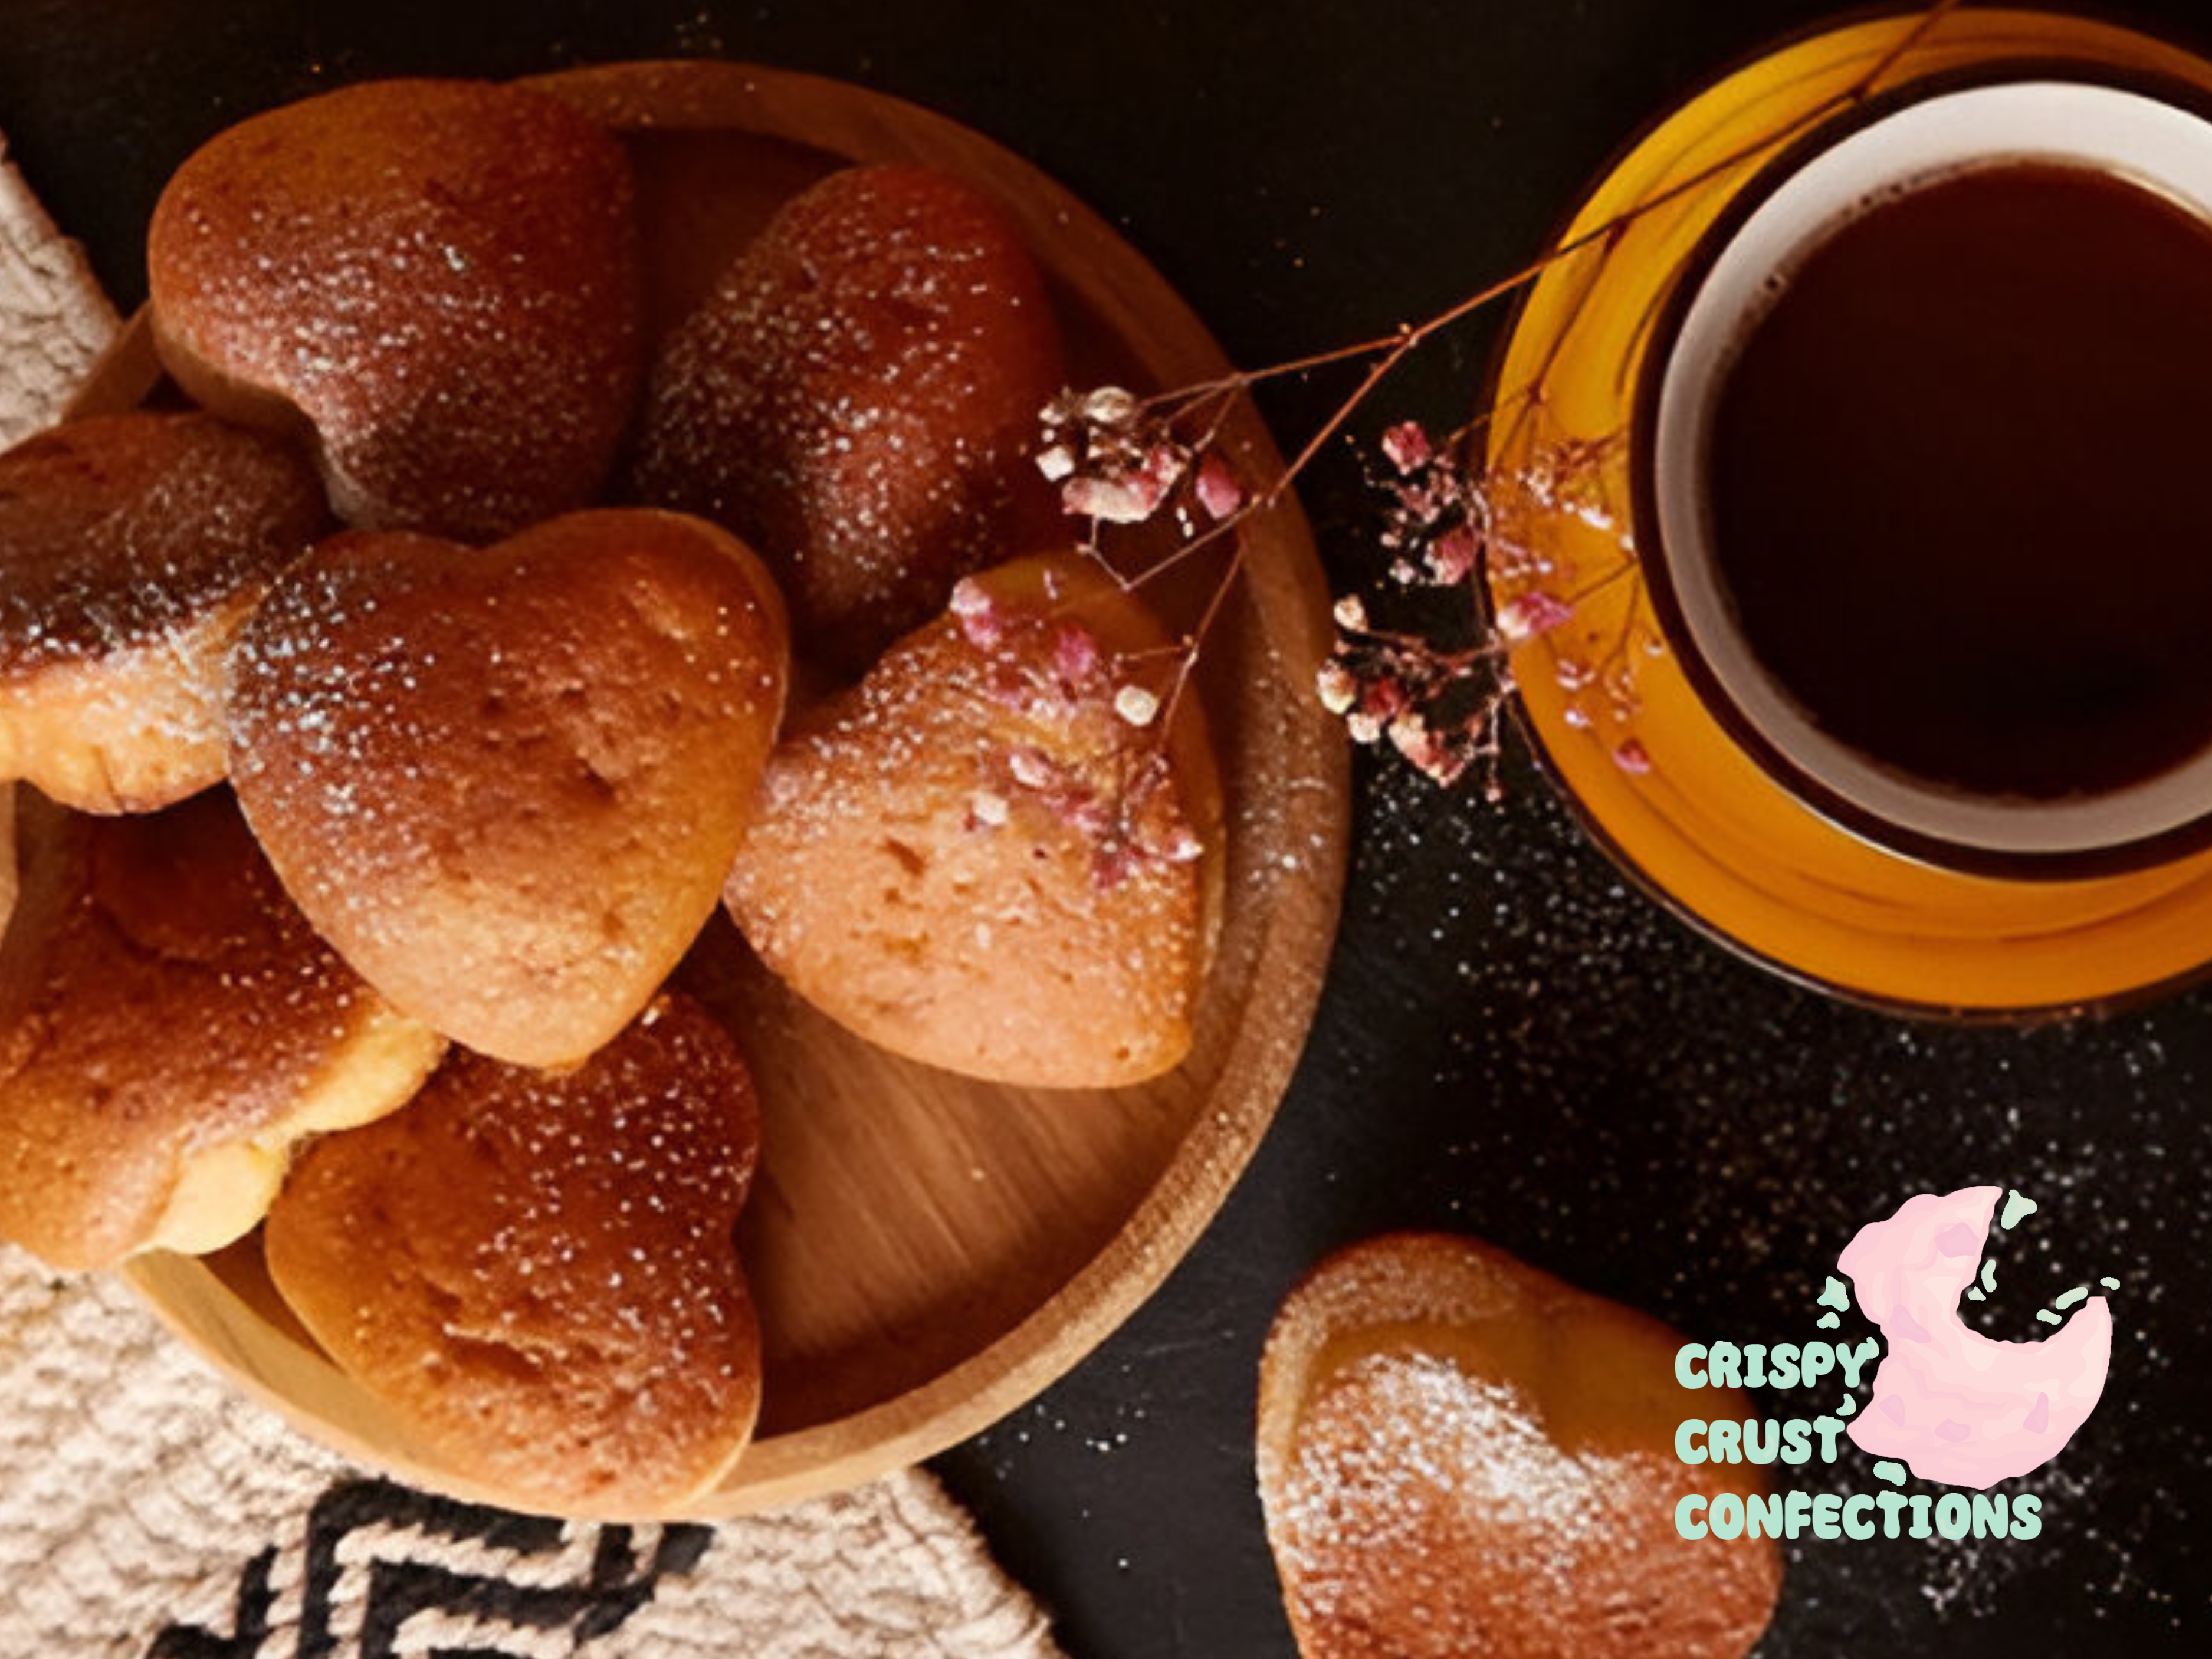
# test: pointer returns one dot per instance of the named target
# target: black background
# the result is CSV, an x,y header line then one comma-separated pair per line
x,y
1513,1042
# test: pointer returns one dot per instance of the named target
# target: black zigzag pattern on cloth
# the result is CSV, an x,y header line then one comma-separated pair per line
x,y
611,1592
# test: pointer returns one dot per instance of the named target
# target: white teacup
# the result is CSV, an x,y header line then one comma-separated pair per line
x,y
2128,133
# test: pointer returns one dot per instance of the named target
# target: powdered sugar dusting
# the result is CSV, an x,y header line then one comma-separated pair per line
x,y
856,399
615,679
441,275
562,1309
1400,1458
972,858
132,548
122,531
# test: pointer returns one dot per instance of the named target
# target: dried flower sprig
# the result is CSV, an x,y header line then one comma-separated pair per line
x,y
1437,692
1114,788
1437,700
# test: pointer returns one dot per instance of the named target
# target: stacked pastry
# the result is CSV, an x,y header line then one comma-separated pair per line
x,y
383,718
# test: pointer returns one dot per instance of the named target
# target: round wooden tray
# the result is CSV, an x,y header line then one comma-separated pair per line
x,y
928,1252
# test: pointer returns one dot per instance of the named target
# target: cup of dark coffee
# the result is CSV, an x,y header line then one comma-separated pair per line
x,y
1923,492
1848,453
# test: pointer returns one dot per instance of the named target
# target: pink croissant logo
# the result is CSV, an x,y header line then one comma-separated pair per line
x,y
1954,1406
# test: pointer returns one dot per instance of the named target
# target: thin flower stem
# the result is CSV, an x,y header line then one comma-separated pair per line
x,y
1591,589
1210,405
1409,335
1399,344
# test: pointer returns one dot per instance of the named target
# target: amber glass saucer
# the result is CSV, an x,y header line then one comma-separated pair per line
x,y
1654,773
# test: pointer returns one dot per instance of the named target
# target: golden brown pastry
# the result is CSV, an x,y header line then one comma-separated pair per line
x,y
977,858
506,783
170,1030
7,855
1460,1455
438,279
859,397
132,548
540,1273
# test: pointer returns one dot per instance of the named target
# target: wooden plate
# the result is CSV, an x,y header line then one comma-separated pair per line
x,y
929,1252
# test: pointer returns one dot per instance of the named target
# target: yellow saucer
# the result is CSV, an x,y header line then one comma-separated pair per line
x,y
1656,779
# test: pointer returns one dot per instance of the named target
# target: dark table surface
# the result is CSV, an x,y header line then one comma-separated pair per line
x,y
1513,1042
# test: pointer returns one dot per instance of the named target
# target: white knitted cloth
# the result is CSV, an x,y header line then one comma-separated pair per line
x,y
53,317
146,1512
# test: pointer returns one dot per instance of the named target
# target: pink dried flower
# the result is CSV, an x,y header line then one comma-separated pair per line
x,y
1407,445
1435,757
1438,688
1110,405
1525,615
1114,459
1113,863
1437,692
1129,499
1632,758
1032,769
972,607
1451,556
1420,505
1074,655
1136,705
1337,686
1217,488
1083,812
1385,696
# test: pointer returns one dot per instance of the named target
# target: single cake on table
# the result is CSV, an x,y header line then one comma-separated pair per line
x,y
1459,1454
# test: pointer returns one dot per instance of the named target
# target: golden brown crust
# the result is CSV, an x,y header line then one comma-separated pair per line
x,y
1461,1455
439,278
971,858
507,784
858,399
161,1002
132,548
540,1273
7,856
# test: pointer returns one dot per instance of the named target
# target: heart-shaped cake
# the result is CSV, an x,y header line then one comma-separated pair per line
x,y
540,1274
1459,1455
858,399
506,783
1000,851
439,279
170,1030
132,550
